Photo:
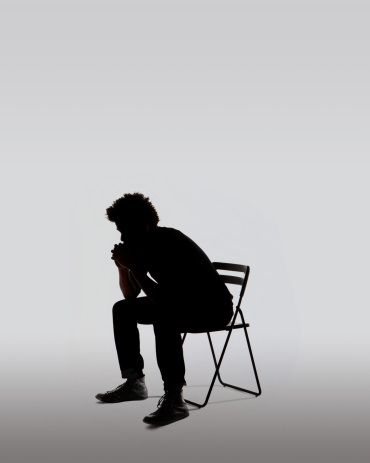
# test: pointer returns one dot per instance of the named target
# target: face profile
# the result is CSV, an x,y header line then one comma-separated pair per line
x,y
132,233
134,216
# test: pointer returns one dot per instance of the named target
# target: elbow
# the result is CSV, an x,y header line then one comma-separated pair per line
x,y
131,296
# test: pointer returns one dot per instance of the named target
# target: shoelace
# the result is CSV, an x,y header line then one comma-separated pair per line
x,y
161,400
120,386
165,399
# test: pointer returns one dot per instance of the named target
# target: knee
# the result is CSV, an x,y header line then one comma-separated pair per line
x,y
164,327
158,326
119,308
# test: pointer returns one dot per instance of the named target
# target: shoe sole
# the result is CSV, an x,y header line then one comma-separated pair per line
x,y
112,401
164,422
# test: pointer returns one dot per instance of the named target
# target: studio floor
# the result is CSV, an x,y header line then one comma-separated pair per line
x,y
50,415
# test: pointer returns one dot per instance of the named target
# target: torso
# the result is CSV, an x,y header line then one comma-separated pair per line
x,y
183,269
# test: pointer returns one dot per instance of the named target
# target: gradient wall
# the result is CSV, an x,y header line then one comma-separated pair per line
x,y
246,123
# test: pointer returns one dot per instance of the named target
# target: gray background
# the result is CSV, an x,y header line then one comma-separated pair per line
x,y
246,123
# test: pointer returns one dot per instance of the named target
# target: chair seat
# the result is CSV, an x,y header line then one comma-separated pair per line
x,y
237,325
227,328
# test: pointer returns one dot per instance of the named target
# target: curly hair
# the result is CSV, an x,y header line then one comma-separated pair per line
x,y
134,208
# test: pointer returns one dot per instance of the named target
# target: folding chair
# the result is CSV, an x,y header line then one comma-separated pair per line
x,y
230,327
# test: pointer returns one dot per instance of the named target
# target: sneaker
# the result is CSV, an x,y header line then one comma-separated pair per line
x,y
132,389
171,407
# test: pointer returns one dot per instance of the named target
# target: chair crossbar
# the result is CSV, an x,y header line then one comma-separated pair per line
x,y
229,266
232,279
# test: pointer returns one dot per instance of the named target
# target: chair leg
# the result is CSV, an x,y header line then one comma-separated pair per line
x,y
253,364
214,376
218,365
214,356
252,358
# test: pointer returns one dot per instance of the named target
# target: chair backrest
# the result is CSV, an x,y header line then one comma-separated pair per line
x,y
236,280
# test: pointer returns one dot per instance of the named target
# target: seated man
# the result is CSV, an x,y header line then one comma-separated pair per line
x,y
188,294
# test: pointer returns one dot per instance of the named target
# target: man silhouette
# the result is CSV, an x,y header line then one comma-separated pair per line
x,y
187,294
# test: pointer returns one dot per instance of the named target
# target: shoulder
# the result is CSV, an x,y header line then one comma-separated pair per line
x,y
168,233
171,237
182,242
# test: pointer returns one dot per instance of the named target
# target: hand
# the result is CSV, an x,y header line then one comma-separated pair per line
x,y
125,257
119,255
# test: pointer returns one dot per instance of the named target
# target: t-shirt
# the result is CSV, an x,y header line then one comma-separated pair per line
x,y
183,271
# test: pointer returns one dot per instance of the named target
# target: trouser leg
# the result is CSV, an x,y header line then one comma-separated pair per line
x,y
170,357
126,315
127,339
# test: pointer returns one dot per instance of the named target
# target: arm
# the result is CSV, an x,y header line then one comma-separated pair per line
x,y
130,289
149,286
124,258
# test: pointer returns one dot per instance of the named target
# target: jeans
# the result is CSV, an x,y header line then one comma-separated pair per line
x,y
168,321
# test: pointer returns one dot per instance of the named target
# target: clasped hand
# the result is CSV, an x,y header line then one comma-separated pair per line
x,y
123,256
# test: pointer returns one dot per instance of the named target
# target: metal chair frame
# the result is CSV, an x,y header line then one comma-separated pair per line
x,y
230,327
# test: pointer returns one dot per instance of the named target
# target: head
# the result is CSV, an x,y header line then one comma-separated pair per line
x,y
134,216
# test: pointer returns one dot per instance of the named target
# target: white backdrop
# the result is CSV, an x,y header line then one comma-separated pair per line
x,y
246,123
